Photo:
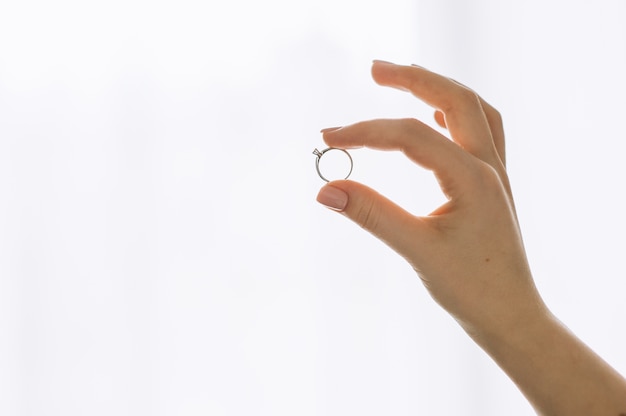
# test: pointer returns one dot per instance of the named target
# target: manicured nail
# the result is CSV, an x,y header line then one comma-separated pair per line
x,y
333,198
329,129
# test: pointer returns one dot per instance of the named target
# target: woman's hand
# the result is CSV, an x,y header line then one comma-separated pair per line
x,y
468,252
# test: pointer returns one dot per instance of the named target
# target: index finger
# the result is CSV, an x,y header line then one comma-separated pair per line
x,y
417,141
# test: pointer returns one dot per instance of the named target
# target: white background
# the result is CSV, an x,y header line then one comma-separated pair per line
x,y
161,250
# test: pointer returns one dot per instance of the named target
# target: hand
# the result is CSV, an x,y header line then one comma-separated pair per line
x,y
468,252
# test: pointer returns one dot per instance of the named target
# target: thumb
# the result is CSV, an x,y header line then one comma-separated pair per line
x,y
383,218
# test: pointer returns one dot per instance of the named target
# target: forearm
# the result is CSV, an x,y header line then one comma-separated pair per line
x,y
556,371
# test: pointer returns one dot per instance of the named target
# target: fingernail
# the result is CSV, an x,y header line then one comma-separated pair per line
x,y
379,61
333,198
329,129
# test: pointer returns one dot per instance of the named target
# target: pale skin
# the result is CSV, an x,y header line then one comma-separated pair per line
x,y
469,252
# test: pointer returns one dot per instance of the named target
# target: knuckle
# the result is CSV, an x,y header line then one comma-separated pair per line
x,y
367,216
411,126
487,180
496,116
461,99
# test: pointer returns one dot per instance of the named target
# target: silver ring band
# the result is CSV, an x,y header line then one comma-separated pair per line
x,y
319,156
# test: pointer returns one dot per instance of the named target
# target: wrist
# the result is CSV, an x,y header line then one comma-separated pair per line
x,y
556,371
511,327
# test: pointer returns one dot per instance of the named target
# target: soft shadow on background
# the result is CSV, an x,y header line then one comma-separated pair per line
x,y
161,250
